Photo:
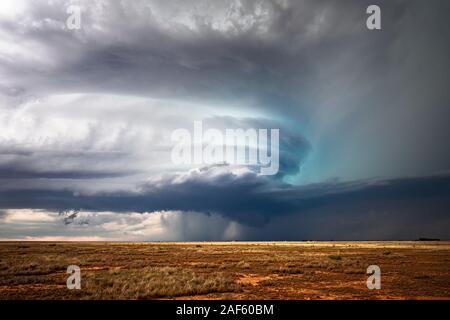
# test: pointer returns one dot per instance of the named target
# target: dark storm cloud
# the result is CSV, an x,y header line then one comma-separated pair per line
x,y
350,103
314,62
354,208
22,162
2,214
293,146
6,172
270,58
34,164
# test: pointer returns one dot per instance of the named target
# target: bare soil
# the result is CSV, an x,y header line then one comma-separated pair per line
x,y
225,270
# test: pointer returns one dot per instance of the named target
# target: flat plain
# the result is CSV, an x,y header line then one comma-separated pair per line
x,y
225,270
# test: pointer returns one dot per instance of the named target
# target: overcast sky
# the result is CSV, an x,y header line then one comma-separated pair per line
x,y
86,118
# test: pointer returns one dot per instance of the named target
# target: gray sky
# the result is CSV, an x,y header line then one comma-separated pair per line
x,y
86,118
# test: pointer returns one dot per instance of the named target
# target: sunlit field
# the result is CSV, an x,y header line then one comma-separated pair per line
x,y
225,270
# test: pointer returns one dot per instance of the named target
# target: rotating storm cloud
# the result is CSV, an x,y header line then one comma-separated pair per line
x,y
86,118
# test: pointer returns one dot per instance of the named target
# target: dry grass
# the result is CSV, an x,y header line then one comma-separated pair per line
x,y
288,270
250,270
154,282
243,265
336,257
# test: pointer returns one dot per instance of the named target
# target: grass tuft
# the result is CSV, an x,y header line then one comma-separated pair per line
x,y
154,282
